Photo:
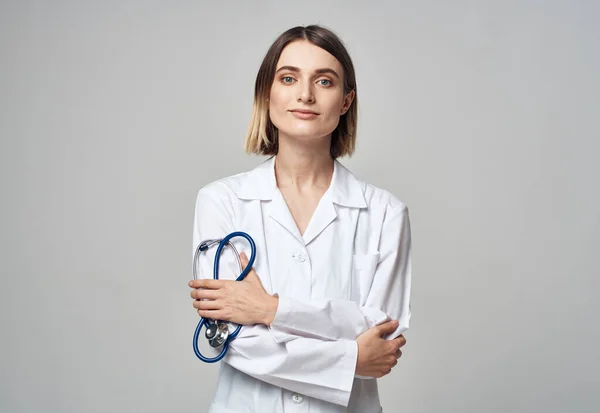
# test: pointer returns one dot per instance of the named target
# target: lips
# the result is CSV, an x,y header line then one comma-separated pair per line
x,y
304,111
304,114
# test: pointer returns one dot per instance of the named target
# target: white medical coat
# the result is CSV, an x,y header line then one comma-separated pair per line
x,y
349,271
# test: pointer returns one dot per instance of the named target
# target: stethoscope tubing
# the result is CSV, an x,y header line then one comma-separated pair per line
x,y
206,322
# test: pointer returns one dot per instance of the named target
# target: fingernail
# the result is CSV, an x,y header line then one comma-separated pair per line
x,y
243,255
190,283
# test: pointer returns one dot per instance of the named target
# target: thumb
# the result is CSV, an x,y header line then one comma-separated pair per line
x,y
244,259
387,327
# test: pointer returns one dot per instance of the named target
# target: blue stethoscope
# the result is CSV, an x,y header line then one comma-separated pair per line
x,y
217,331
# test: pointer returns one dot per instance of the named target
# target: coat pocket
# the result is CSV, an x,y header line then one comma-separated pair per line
x,y
363,271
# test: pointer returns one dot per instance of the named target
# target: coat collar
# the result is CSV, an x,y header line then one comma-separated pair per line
x,y
345,189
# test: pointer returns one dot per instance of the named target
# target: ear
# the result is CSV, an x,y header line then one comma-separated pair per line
x,y
348,99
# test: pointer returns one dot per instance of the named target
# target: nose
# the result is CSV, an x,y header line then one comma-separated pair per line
x,y
305,93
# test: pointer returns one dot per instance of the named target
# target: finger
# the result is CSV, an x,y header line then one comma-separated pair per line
x,y
252,277
213,314
387,327
399,341
398,354
207,283
245,261
207,305
396,344
244,258
205,294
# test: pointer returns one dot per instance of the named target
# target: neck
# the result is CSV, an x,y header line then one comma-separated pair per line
x,y
304,166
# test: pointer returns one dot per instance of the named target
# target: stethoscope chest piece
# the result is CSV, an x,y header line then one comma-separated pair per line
x,y
217,334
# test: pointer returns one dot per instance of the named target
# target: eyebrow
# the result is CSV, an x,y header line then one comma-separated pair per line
x,y
318,71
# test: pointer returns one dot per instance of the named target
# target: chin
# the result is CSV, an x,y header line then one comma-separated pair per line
x,y
304,134
304,131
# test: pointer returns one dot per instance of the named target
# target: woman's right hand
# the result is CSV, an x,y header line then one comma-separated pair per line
x,y
376,355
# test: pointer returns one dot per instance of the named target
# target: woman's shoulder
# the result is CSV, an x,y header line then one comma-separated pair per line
x,y
246,185
226,187
382,198
375,197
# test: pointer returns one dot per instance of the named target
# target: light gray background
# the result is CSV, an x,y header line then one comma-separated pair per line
x,y
483,117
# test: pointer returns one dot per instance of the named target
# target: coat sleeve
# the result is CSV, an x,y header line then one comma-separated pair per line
x,y
388,297
311,366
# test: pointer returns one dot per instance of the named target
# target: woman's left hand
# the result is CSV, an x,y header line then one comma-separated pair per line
x,y
241,302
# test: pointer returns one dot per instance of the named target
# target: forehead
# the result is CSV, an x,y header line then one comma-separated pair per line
x,y
306,56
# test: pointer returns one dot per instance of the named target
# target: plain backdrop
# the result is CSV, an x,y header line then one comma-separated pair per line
x,y
482,116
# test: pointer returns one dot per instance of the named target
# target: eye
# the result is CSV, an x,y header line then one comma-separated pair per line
x,y
325,82
287,79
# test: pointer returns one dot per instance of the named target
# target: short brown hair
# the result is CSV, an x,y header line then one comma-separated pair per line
x,y
263,137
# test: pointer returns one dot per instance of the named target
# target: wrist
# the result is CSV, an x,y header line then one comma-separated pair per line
x,y
272,303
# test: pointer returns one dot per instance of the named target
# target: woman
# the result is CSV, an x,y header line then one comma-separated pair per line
x,y
328,298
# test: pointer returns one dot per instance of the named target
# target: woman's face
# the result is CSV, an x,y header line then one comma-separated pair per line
x,y
307,95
